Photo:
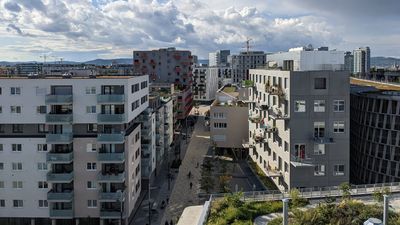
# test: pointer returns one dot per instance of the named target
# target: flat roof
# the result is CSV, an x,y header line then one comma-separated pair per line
x,y
376,84
191,215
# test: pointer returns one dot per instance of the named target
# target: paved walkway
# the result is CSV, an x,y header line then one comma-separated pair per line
x,y
182,195
263,220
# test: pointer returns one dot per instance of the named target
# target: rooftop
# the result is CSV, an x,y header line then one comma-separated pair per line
x,y
378,85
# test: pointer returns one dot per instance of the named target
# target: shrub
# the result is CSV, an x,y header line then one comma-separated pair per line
x,y
276,221
345,188
296,199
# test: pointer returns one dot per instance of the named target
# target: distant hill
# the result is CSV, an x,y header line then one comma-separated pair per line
x,y
384,61
104,62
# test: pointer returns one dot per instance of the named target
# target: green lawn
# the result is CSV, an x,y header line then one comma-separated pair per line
x,y
266,180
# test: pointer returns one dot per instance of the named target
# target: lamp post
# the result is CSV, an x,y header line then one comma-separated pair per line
x,y
120,200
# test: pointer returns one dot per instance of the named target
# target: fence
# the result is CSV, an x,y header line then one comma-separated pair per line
x,y
205,212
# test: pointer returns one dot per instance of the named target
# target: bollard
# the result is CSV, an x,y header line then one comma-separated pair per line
x,y
285,211
385,209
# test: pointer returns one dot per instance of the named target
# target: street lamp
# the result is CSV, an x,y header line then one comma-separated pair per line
x,y
120,200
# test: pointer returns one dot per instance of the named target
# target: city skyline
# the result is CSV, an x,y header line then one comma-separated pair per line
x,y
84,30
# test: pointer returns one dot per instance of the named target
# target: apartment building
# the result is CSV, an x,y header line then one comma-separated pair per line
x,y
218,58
375,135
362,61
59,69
70,149
243,62
28,68
229,118
171,66
349,62
299,126
205,83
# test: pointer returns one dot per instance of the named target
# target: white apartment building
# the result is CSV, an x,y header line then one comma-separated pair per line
x,y
70,150
362,61
205,83
218,58
242,63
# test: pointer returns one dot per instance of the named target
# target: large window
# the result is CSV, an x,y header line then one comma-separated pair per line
x,y
319,105
300,151
338,170
319,149
319,83
15,90
220,125
91,166
17,128
15,109
300,106
319,129
18,203
90,90
16,166
338,105
338,126
16,147
319,170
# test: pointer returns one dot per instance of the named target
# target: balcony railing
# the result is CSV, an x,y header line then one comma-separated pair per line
x,y
277,115
274,90
60,157
268,128
59,118
108,214
58,99
111,157
66,196
60,177
110,118
110,196
297,161
65,138
116,138
255,118
272,172
322,140
110,99
61,213
111,177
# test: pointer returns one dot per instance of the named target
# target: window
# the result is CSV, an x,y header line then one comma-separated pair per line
x,y
0,91
220,125
319,83
219,115
91,166
15,90
17,184
143,99
319,149
43,128
92,128
43,204
1,128
319,170
143,84
42,166
1,147
91,185
17,128
92,203
16,166
1,184
90,90
319,105
15,109
91,109
1,166
2,203
90,147
41,109
300,106
43,185
338,105
135,105
300,151
135,88
1,109
42,147
338,170
338,127
16,147
319,129
18,203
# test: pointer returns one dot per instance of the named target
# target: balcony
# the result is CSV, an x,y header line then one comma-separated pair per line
x,y
111,177
322,140
66,196
274,90
272,172
65,138
268,128
116,138
277,115
110,214
259,138
297,161
110,196
61,213
111,99
262,106
111,157
110,118
59,118
60,177
254,118
64,158
58,99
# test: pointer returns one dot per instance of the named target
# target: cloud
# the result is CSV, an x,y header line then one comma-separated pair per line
x,y
12,6
14,28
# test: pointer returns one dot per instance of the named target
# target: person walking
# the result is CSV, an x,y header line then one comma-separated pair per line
x,y
191,185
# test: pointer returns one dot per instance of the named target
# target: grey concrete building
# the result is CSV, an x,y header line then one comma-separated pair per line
x,y
375,135
243,62
218,58
349,62
299,126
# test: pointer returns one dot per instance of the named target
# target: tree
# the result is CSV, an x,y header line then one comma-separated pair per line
x,y
378,194
206,180
345,188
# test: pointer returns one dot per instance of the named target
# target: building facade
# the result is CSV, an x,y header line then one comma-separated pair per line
x,y
362,61
72,149
28,68
375,135
218,58
349,62
299,126
205,83
241,64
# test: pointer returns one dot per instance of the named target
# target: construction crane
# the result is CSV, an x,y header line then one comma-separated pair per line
x,y
44,56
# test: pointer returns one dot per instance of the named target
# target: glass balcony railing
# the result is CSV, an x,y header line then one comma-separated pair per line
x,y
62,213
66,196
111,118
110,99
60,177
111,157
59,157
110,196
65,138
58,99
117,138
59,118
111,177
108,214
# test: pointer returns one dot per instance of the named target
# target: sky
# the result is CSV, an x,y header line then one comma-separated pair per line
x,y
81,30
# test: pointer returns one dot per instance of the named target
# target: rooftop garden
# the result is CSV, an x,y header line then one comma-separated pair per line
x,y
229,89
248,83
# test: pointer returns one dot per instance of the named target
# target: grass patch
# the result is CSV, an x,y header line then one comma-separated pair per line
x,y
229,89
231,210
261,175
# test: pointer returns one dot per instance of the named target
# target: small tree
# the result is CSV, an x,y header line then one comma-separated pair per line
x,y
223,183
345,188
378,194
296,199
206,180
